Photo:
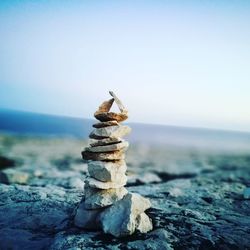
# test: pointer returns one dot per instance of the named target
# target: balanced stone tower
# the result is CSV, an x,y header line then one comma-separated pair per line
x,y
107,204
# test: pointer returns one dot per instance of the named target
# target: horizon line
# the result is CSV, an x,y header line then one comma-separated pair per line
x,y
133,122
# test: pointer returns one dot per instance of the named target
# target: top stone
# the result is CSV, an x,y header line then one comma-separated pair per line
x,y
106,105
103,114
118,102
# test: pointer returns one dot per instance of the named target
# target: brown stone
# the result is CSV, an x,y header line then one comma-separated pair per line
x,y
110,156
104,142
105,106
105,124
109,116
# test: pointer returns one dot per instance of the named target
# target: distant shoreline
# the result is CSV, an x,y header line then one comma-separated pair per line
x,y
26,123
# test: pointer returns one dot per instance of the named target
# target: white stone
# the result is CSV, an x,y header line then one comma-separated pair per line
x,y
111,131
87,219
109,148
120,218
143,223
97,198
246,193
106,185
118,102
107,171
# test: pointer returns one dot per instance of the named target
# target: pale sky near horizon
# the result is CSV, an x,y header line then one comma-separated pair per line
x,y
184,63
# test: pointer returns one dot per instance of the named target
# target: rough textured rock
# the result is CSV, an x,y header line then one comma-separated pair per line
x,y
111,131
106,185
97,198
210,213
124,214
158,240
202,206
86,218
110,156
109,148
107,171
29,216
198,204
105,124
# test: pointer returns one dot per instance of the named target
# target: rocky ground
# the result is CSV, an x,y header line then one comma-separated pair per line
x,y
197,196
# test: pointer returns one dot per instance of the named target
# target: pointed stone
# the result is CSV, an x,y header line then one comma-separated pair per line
x,y
124,213
109,156
106,185
105,124
118,102
104,142
111,131
143,223
107,171
105,106
87,219
97,198
109,148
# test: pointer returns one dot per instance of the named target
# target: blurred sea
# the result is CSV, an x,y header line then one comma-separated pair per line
x,y
26,123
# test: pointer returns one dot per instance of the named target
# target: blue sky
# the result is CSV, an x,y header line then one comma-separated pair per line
x,y
181,63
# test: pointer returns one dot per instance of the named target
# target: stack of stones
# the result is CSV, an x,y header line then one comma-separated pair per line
x,y
107,204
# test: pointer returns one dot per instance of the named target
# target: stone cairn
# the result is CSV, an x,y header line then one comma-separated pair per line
x,y
107,204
